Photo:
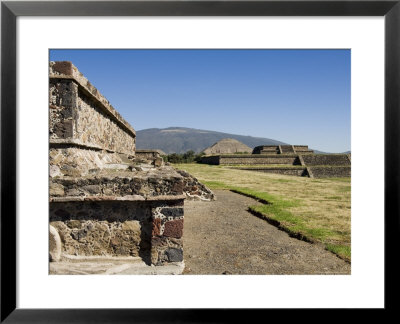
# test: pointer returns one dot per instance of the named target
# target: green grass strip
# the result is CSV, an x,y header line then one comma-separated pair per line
x,y
343,251
275,210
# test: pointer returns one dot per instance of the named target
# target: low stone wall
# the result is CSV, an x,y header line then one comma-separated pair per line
x,y
145,184
212,159
193,189
287,149
151,230
77,162
80,115
104,203
300,172
120,214
326,159
293,160
330,171
302,149
149,156
273,149
282,149
251,159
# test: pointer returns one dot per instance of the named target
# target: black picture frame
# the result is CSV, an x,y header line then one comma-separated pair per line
x,y
10,10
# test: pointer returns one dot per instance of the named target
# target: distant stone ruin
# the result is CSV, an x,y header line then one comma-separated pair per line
x,y
295,160
227,146
282,149
106,201
150,157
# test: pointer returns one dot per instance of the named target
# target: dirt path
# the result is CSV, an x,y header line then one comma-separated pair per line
x,y
223,237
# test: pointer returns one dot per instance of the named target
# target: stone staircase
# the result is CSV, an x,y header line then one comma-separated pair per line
x,y
287,149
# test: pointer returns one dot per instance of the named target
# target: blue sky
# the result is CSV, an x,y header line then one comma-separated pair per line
x,y
294,96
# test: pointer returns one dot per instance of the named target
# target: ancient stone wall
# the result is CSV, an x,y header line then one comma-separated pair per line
x,y
301,172
120,214
251,159
329,165
145,184
149,156
302,149
257,159
282,149
326,159
103,202
212,159
76,162
150,230
330,171
193,189
81,116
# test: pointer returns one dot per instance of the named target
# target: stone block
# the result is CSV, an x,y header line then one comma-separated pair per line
x,y
172,212
174,255
92,189
133,226
156,230
173,228
63,67
54,245
56,189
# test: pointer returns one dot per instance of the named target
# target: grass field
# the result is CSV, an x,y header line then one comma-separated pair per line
x,y
315,209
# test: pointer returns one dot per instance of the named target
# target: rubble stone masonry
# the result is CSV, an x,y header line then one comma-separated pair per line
x,y
80,115
103,201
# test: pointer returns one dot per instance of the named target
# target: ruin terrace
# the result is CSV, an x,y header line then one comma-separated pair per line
x,y
296,160
106,203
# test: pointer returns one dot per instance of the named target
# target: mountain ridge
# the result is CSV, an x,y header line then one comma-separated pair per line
x,y
183,139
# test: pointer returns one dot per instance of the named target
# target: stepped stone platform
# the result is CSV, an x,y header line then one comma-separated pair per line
x,y
301,172
106,201
227,146
282,149
287,157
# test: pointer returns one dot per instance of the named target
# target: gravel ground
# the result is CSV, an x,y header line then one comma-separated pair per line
x,y
222,237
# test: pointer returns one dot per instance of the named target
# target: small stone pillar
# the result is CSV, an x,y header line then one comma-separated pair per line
x,y
166,236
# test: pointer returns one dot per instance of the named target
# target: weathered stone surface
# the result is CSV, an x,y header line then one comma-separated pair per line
x,y
73,224
330,171
164,250
56,189
326,159
75,114
103,202
64,70
174,212
55,171
62,67
133,226
156,230
92,189
166,182
193,189
62,101
287,171
174,255
282,149
96,238
315,165
173,228
149,157
54,245
227,146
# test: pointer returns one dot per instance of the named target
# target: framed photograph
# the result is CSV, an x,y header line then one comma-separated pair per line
x,y
357,42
